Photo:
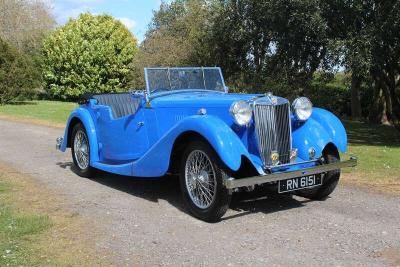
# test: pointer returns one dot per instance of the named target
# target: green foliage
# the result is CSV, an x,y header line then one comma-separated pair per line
x,y
331,93
269,43
19,76
259,44
89,54
175,37
275,45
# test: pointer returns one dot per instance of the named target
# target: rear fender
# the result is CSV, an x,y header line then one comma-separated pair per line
x,y
219,135
321,129
82,115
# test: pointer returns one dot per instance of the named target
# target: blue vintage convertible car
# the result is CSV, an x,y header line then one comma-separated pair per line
x,y
186,122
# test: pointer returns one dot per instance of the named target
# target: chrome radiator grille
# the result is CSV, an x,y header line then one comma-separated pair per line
x,y
273,129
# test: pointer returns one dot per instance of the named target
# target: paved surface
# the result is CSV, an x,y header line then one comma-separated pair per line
x,y
143,222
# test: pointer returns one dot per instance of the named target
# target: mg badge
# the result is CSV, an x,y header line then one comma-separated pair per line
x,y
275,157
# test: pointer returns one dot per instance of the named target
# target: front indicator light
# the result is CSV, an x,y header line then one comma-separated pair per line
x,y
311,153
293,155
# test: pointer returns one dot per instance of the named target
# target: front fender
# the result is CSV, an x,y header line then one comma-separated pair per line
x,y
318,131
220,136
83,115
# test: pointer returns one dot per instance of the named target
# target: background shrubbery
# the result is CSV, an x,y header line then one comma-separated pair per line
x,y
291,48
90,54
344,55
19,75
23,25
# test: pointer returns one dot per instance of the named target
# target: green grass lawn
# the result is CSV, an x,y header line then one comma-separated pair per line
x,y
49,111
378,150
18,231
36,228
377,146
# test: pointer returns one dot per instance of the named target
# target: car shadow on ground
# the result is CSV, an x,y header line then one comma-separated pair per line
x,y
168,188
262,201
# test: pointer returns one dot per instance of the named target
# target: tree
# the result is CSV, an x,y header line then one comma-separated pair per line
x,y
25,23
89,54
369,30
176,37
264,43
350,23
385,55
283,45
18,75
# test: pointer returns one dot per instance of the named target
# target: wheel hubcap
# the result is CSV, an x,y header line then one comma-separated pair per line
x,y
200,179
81,149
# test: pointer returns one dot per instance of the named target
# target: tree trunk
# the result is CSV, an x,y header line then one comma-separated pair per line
x,y
377,110
395,108
355,97
392,101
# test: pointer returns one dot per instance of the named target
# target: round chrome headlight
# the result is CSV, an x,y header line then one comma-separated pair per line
x,y
241,112
302,108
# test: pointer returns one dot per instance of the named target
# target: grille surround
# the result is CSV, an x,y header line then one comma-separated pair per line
x,y
273,129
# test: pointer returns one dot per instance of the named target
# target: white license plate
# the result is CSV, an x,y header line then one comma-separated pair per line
x,y
298,183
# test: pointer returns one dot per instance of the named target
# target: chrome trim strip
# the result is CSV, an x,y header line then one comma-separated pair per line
x,y
182,68
226,89
291,164
146,79
183,91
204,78
233,183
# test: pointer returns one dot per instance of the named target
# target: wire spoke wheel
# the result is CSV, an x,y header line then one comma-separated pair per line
x,y
81,149
200,178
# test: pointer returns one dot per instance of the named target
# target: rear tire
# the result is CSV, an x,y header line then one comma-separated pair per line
x,y
80,150
201,179
330,180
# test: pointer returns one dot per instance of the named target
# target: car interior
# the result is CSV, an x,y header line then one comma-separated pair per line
x,y
121,104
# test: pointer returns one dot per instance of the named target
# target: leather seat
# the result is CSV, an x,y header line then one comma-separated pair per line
x,y
121,104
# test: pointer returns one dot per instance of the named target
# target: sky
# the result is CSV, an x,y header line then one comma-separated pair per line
x,y
135,14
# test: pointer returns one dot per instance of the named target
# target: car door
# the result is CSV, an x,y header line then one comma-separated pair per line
x,y
121,139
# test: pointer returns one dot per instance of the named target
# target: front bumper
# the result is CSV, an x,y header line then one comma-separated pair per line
x,y
233,183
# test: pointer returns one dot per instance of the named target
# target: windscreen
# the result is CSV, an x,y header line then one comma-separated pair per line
x,y
172,79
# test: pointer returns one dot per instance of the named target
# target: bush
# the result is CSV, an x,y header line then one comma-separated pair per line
x,y
331,93
18,75
326,90
89,54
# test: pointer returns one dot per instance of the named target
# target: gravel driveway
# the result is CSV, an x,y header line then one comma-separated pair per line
x,y
143,221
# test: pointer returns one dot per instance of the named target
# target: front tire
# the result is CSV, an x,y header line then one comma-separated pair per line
x,y
201,179
80,149
330,181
